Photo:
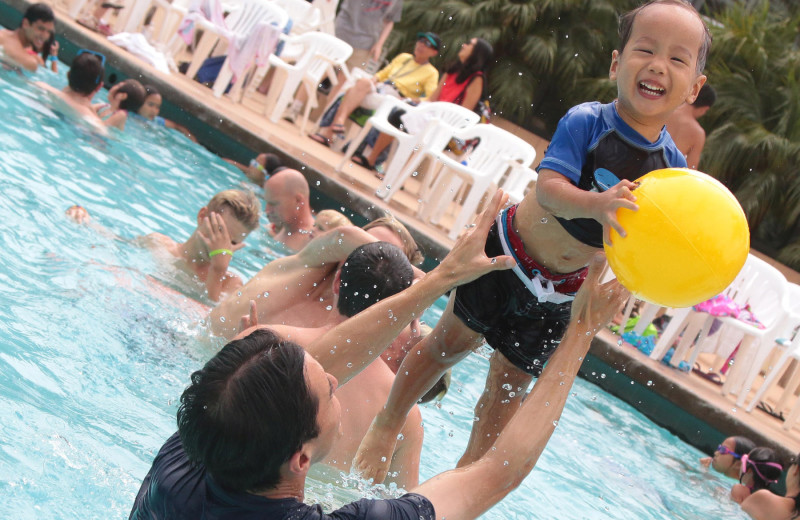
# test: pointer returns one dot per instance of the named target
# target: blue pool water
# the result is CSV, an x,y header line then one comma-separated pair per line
x,y
94,353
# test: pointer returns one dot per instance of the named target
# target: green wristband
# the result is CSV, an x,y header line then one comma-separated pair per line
x,y
216,252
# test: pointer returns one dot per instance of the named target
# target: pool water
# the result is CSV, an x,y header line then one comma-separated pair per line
x,y
95,349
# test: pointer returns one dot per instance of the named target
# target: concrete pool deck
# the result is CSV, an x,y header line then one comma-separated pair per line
x,y
686,403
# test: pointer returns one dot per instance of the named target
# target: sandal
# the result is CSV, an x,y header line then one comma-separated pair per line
x,y
321,139
711,376
763,406
360,160
336,128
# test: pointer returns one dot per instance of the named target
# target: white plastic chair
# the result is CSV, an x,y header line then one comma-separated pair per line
x,y
443,120
766,301
694,326
497,151
520,180
238,25
321,51
305,16
327,10
789,342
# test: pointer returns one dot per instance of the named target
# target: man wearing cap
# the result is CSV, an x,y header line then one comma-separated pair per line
x,y
408,76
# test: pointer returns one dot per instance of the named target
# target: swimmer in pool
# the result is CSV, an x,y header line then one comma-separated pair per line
x,y
264,410
84,80
288,208
222,226
152,107
22,45
298,289
125,97
260,168
370,273
727,458
557,228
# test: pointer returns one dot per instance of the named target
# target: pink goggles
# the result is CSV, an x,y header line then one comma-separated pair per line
x,y
753,464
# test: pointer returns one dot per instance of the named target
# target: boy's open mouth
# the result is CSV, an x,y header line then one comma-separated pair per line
x,y
650,89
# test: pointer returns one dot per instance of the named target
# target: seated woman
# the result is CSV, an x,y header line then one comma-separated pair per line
x,y
407,76
765,505
760,469
463,84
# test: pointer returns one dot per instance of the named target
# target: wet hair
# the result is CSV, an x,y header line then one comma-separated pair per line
x,y
46,48
39,12
332,219
86,73
151,90
478,61
706,97
626,27
409,244
371,273
758,458
272,164
136,95
742,445
247,411
243,204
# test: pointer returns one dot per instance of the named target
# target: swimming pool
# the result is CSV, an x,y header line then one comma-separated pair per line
x,y
94,355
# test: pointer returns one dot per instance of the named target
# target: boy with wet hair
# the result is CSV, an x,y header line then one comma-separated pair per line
x,y
587,174
22,44
125,97
222,226
84,80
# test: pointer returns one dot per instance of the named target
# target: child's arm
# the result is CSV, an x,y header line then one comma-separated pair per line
x,y
117,119
214,233
556,194
182,129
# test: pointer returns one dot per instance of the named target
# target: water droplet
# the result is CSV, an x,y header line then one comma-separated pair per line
x,y
400,437
383,459
506,386
505,463
649,383
222,319
329,307
544,220
602,376
349,365
555,423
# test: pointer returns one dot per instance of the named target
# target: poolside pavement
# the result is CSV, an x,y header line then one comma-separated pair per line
x,y
654,388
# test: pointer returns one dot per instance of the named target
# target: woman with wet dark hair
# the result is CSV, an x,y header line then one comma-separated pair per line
x,y
759,470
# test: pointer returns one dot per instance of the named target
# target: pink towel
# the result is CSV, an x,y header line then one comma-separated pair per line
x,y
253,47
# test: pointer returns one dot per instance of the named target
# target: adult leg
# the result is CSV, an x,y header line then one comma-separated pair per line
x,y
449,343
505,386
351,100
383,141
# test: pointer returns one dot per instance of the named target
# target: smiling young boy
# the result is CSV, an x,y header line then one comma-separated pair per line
x,y
555,231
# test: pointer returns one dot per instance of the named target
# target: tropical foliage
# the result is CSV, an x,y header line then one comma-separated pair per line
x,y
753,142
550,54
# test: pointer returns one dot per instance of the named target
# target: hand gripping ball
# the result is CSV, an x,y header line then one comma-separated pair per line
x,y
687,242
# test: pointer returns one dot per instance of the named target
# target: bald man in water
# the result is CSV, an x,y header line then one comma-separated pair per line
x,y
288,210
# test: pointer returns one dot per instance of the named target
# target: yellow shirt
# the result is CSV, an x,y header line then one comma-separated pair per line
x,y
411,79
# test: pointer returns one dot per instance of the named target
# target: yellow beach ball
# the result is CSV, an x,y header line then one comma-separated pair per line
x,y
687,242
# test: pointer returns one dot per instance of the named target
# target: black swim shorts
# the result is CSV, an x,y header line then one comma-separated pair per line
x,y
513,321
